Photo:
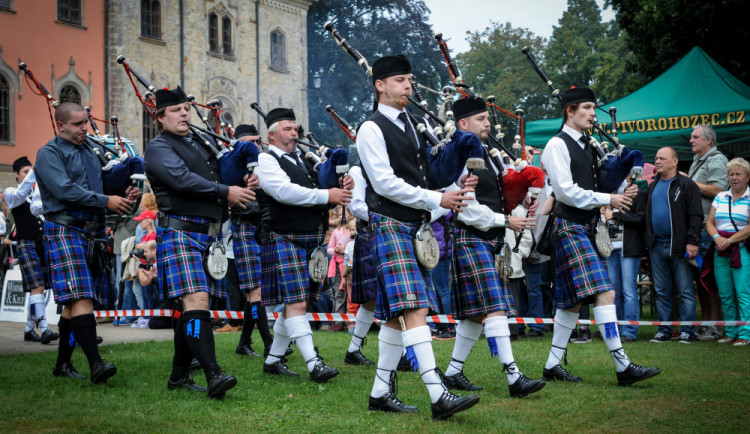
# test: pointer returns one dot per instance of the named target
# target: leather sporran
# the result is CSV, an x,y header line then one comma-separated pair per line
x,y
426,247
215,260
602,240
546,243
97,256
318,265
503,262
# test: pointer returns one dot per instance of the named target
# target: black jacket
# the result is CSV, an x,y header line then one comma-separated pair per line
x,y
634,227
686,213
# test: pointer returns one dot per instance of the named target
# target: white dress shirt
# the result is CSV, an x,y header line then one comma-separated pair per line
x,y
276,183
358,206
477,215
556,160
374,156
15,196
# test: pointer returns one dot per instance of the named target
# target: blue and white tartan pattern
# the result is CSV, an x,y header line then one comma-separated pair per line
x,y
32,265
285,277
246,256
580,271
179,258
403,284
476,288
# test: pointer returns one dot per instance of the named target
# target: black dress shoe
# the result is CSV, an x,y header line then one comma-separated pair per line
x,y
289,351
279,367
459,382
357,358
186,383
49,336
195,365
558,373
31,336
390,403
101,371
404,365
219,383
99,340
449,404
322,372
525,386
67,370
634,373
246,350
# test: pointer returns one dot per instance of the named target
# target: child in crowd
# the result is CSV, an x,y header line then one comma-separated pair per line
x,y
346,280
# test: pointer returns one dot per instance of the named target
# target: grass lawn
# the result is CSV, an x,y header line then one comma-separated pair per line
x,y
704,387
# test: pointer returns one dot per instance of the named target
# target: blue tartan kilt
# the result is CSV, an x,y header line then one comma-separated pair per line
x,y
68,273
246,256
179,258
364,269
476,288
403,284
285,277
580,272
32,265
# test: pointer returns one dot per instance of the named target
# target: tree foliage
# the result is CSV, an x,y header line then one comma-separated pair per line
x,y
661,32
375,28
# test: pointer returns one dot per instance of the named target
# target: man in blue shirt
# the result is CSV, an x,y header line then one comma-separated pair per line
x,y
673,223
72,186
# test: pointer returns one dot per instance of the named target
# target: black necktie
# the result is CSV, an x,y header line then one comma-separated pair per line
x,y
295,158
407,127
95,183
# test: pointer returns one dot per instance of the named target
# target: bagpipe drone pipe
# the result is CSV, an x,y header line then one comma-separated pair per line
x,y
615,166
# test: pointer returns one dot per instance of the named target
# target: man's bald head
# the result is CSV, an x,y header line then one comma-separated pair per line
x,y
64,110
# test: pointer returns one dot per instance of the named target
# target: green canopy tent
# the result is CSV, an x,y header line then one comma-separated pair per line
x,y
696,90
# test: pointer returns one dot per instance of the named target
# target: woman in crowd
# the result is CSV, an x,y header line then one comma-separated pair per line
x,y
727,224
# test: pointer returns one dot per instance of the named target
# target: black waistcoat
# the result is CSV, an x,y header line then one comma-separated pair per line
x,y
185,204
585,173
408,163
28,226
488,193
278,216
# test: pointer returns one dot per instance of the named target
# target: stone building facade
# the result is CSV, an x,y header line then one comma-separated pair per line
x,y
236,51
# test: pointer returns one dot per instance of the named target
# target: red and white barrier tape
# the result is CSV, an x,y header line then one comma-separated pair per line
x,y
438,319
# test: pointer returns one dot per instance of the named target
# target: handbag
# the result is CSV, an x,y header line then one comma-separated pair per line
x,y
215,260
546,242
318,265
602,240
426,247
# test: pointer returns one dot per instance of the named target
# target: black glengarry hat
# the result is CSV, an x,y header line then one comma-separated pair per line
x,y
21,163
576,95
279,114
168,97
245,130
470,106
389,66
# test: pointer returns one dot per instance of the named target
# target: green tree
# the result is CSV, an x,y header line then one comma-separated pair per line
x,y
375,28
494,65
661,32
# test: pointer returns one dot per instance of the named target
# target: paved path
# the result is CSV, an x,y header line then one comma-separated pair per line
x,y
11,337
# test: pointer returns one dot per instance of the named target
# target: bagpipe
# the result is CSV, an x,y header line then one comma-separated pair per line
x,y
236,159
447,154
617,165
518,178
330,164
122,167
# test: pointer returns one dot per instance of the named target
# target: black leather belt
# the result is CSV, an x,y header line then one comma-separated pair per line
x,y
66,220
210,229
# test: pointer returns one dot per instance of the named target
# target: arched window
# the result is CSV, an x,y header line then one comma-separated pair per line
x,y
213,32
151,19
226,36
148,127
278,50
70,94
4,109
69,11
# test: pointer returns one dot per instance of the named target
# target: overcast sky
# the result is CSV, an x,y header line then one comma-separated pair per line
x,y
475,15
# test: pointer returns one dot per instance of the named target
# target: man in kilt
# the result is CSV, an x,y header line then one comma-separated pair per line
x,y
294,220
29,240
184,176
394,161
364,273
72,185
247,258
581,273
478,292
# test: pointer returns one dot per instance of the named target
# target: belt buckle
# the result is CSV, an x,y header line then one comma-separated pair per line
x,y
214,229
91,227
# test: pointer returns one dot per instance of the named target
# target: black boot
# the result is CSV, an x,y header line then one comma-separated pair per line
x,y
219,382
